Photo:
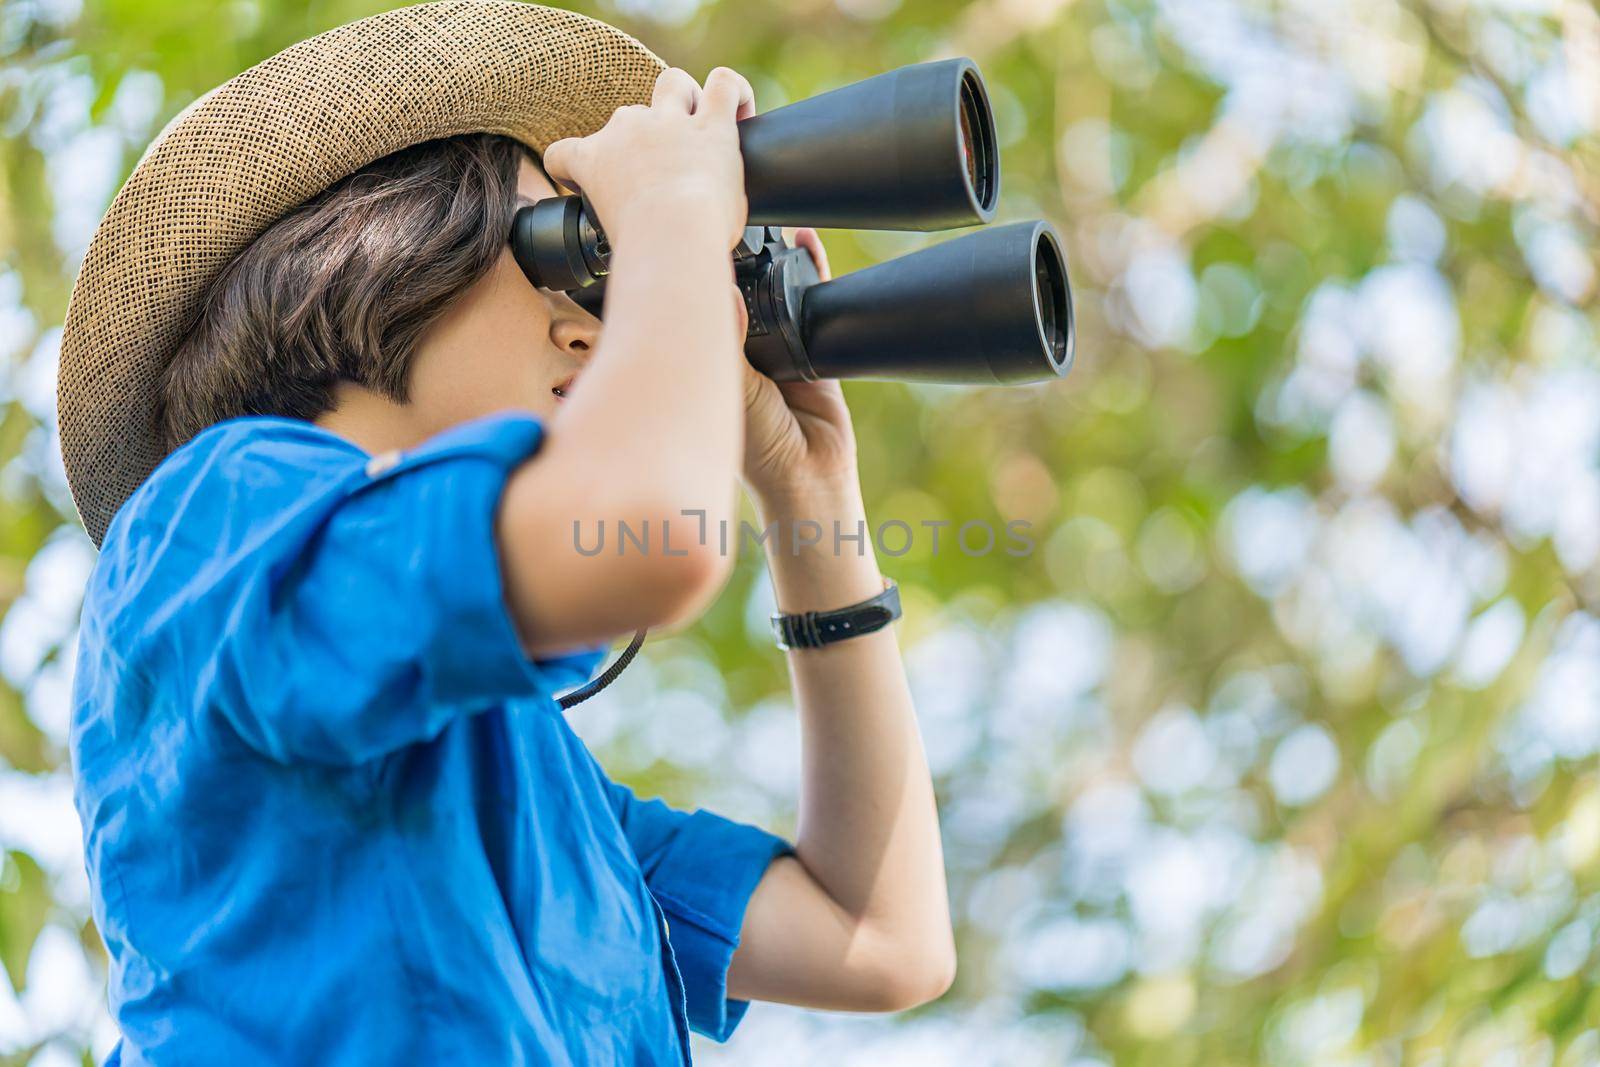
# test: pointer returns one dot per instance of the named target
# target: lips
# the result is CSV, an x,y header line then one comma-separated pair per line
x,y
564,387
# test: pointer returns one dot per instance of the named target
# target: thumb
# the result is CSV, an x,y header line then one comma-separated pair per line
x,y
806,237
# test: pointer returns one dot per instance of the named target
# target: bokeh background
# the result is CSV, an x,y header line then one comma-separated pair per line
x,y
1280,746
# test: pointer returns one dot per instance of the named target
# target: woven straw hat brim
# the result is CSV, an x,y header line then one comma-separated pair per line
x,y
267,140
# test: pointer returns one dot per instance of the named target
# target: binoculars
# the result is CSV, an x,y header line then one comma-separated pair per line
x,y
911,149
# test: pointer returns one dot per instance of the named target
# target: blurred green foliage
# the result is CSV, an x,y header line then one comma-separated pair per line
x,y
1280,745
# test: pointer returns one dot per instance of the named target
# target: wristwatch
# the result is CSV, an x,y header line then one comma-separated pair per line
x,y
813,629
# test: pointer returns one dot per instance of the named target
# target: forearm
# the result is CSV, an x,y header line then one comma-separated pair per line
x,y
658,414
654,429
868,834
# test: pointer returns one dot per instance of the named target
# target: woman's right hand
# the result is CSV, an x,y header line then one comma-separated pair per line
x,y
676,159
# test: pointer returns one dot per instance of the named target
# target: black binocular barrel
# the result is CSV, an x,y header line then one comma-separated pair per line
x,y
990,307
910,149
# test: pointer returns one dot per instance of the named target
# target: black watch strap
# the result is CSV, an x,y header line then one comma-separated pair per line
x,y
813,629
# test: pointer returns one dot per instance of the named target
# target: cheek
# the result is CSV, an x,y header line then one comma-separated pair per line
x,y
488,353
514,334
496,369
514,371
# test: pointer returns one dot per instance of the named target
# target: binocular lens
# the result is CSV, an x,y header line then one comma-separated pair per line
x,y
977,141
1055,303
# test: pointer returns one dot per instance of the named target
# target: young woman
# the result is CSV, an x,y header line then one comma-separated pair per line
x,y
332,812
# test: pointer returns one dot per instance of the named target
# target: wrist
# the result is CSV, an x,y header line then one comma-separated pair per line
x,y
810,498
669,228
801,584
678,213
819,550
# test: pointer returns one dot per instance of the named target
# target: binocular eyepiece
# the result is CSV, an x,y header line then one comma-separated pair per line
x,y
911,149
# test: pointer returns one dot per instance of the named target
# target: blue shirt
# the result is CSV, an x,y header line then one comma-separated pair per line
x,y
332,812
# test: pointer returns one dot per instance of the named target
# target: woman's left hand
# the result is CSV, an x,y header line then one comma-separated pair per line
x,y
798,435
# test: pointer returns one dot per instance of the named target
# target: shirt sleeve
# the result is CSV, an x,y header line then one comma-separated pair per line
x,y
702,868
335,609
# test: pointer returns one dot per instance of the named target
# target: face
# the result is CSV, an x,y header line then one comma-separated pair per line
x,y
502,344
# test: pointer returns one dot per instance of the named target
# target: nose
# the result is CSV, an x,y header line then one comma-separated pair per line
x,y
574,330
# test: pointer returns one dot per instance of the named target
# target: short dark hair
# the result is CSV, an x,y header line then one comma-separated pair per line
x,y
344,286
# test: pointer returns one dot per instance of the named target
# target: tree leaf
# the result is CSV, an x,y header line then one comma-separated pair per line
x,y
25,904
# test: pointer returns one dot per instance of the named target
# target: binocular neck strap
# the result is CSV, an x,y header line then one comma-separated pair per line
x,y
608,676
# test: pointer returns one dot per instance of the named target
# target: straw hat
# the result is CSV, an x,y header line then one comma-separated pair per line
x,y
245,153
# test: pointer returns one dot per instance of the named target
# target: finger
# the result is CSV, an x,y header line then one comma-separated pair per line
x,y
560,159
808,238
676,91
728,95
